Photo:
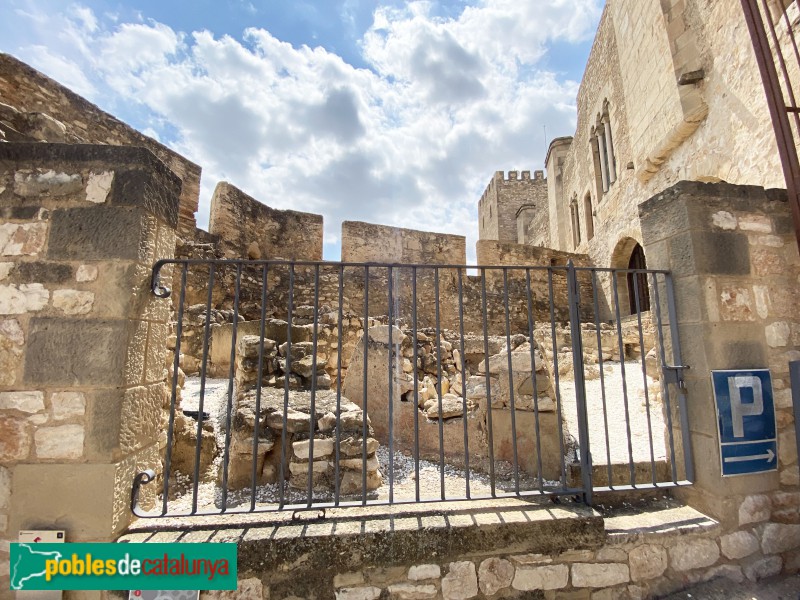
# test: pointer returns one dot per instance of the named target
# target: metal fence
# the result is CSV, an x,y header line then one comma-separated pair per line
x,y
315,384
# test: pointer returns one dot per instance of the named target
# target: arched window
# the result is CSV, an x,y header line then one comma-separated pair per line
x,y
588,215
605,162
576,221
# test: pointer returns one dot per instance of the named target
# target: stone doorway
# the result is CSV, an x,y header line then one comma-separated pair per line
x,y
637,282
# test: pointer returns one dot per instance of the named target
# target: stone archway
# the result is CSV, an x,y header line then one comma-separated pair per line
x,y
632,289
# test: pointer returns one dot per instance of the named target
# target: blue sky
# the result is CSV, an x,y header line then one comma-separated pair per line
x,y
377,110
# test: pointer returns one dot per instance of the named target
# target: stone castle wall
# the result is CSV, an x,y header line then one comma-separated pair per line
x,y
663,132
246,228
33,107
366,242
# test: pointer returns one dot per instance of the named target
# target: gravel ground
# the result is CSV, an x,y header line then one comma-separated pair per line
x,y
615,408
430,482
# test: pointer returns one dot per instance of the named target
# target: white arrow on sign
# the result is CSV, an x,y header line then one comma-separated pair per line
x,y
769,457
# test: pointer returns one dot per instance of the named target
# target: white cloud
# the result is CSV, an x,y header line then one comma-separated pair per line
x,y
411,141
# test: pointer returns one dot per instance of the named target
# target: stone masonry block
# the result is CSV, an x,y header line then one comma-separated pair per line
x,y
75,352
599,575
98,232
693,554
15,439
64,442
721,252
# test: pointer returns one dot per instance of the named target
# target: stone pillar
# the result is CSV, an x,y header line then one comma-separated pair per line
x,y
82,339
735,264
610,160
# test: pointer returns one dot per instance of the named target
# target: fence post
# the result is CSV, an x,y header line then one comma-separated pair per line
x,y
573,297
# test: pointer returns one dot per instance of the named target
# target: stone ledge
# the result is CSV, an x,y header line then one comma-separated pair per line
x,y
649,525
403,534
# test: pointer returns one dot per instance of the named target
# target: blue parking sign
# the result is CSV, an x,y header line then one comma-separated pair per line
x,y
746,421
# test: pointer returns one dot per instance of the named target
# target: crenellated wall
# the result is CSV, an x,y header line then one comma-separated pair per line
x,y
502,199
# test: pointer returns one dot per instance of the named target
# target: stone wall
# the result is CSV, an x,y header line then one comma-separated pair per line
x,y
503,198
82,338
33,107
735,265
246,228
366,242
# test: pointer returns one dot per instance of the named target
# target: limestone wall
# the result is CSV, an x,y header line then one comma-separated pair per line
x,y
82,338
366,242
246,228
33,107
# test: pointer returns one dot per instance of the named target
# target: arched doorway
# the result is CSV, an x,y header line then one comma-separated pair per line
x,y
637,282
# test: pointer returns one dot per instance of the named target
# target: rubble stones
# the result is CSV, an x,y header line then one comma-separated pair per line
x,y
461,581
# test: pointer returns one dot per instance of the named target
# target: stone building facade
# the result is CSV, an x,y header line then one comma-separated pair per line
x,y
693,110
512,209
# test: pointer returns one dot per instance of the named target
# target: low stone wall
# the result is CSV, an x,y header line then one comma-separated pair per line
x,y
556,553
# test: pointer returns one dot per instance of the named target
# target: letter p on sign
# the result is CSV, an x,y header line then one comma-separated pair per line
x,y
740,409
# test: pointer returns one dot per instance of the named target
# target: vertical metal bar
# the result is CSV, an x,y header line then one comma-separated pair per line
x,y
686,438
260,372
781,62
416,379
533,382
437,337
463,380
790,31
313,421
338,431
602,376
488,382
231,371
624,380
574,299
556,382
201,403
794,379
286,375
510,382
365,412
644,375
174,399
664,386
391,385
777,107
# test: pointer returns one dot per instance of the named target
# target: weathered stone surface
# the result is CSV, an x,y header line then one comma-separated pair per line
x,y
15,440
780,537
322,448
27,297
693,554
724,220
86,273
73,302
64,441
351,482
755,509
599,575
762,567
98,186
5,488
246,589
545,577
46,183
647,562
495,574
778,334
27,402
360,593
408,591
423,572
461,581
738,544
732,572
612,555
12,340
452,406
26,239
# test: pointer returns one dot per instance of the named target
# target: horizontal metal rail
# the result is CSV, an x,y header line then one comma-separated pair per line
x,y
314,384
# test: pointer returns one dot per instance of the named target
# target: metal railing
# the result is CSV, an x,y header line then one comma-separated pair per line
x,y
314,385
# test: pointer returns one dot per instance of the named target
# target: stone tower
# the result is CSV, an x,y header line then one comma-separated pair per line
x,y
514,209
